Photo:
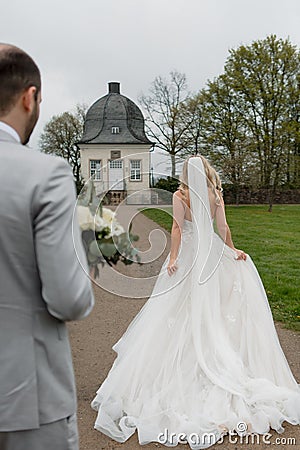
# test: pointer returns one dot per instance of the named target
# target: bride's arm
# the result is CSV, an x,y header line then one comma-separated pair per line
x,y
178,218
223,228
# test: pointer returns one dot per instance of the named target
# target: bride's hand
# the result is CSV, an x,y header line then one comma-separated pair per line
x,y
240,254
172,267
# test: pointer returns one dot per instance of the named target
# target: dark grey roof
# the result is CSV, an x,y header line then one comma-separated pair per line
x,y
114,110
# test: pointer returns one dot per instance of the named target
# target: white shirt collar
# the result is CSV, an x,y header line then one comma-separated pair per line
x,y
10,130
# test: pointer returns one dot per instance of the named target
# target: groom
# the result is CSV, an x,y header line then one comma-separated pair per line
x,y
43,273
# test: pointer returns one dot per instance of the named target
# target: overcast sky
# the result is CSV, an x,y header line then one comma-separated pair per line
x,y
82,45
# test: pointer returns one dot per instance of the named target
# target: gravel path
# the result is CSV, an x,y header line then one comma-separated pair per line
x,y
93,338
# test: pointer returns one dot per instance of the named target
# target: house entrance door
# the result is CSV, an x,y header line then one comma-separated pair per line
x,y
115,175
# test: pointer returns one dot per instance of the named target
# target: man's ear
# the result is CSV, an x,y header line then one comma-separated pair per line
x,y
29,98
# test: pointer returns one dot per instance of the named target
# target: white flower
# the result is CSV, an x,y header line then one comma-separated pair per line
x,y
99,223
107,215
117,229
89,222
85,218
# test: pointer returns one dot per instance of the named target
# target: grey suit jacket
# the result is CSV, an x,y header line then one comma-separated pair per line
x,y
43,283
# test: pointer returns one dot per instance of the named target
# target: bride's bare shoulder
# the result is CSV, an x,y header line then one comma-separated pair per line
x,y
221,200
178,194
183,200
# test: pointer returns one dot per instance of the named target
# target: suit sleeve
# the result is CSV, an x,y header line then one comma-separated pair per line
x,y
61,260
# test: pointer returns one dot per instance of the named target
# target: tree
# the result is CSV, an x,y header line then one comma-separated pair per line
x,y
192,116
247,120
217,131
163,119
292,157
60,136
264,75
225,135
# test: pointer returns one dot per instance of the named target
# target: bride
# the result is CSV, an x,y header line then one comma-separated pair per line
x,y
202,357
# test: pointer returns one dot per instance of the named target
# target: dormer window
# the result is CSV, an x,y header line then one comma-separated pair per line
x,y
115,130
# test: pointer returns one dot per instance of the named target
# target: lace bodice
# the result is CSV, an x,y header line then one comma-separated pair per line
x,y
187,225
187,230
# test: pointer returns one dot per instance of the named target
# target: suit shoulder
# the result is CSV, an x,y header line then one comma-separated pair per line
x,y
48,163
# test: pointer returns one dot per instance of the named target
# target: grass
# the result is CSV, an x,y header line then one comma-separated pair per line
x,y
272,240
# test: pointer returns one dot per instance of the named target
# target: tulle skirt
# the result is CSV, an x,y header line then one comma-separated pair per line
x,y
199,361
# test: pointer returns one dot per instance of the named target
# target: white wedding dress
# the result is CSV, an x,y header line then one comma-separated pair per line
x,y
202,356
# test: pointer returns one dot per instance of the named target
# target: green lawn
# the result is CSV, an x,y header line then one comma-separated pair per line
x,y
272,240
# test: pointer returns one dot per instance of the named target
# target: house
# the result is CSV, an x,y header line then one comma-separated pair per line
x,y
115,150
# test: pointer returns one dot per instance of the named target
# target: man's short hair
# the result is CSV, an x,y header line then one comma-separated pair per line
x,y
18,72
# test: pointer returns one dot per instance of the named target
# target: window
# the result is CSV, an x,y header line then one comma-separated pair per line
x,y
115,130
135,170
95,169
116,164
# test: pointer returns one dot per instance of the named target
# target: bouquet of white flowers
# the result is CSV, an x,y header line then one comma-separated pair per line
x,y
104,239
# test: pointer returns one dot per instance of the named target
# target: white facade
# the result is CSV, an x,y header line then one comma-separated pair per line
x,y
118,167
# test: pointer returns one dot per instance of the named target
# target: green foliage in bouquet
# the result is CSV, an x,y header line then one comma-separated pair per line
x,y
104,239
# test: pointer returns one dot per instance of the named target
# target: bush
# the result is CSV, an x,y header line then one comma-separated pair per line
x,y
167,184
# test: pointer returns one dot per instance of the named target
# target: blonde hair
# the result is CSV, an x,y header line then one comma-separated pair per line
x,y
212,177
